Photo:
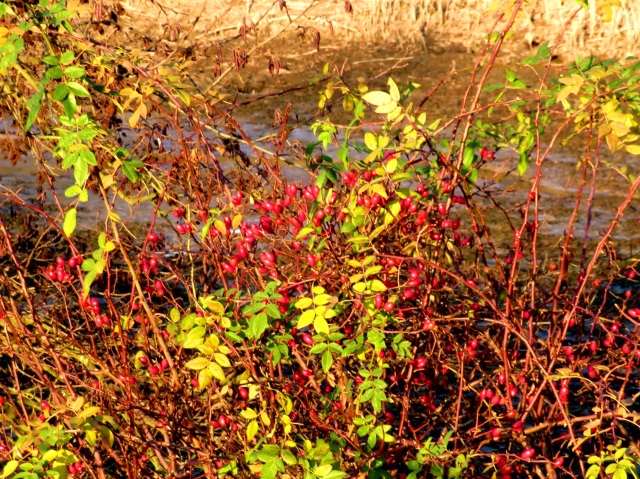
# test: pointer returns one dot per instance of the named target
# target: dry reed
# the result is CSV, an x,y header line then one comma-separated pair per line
x,y
445,22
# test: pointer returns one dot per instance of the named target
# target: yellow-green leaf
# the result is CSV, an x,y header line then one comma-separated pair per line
x,y
303,303
222,360
370,141
306,318
204,378
377,98
321,299
323,470
9,468
216,371
198,363
320,325
249,413
106,435
69,224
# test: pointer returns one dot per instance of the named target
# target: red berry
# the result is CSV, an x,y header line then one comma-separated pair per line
x,y
528,453
311,260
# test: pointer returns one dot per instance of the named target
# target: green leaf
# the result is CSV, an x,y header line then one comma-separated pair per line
x,y
257,325
67,57
6,10
34,104
70,106
69,224
60,92
269,470
318,348
80,172
288,457
371,440
74,72
327,361
54,73
73,190
130,172
467,158
523,164
78,90
88,157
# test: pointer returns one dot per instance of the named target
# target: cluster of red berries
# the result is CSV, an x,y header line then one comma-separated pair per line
x,y
64,270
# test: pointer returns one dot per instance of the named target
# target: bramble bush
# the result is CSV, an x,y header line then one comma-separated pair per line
x,y
365,323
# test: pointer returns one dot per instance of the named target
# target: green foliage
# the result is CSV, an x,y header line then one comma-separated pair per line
x,y
247,325
616,463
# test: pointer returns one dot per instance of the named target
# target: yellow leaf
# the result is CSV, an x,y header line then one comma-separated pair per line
x,y
393,90
237,219
619,128
252,430
220,226
633,149
133,119
387,108
264,417
603,130
612,141
249,413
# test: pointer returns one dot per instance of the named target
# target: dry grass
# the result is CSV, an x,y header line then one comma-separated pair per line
x,y
405,21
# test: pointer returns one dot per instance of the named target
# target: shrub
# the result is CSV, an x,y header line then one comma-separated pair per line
x,y
363,323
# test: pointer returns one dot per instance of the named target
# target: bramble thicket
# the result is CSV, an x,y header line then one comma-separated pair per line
x,y
175,302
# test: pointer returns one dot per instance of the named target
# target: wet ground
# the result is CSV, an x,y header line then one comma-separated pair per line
x,y
442,74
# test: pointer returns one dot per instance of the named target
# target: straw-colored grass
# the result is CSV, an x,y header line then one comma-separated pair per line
x,y
404,21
